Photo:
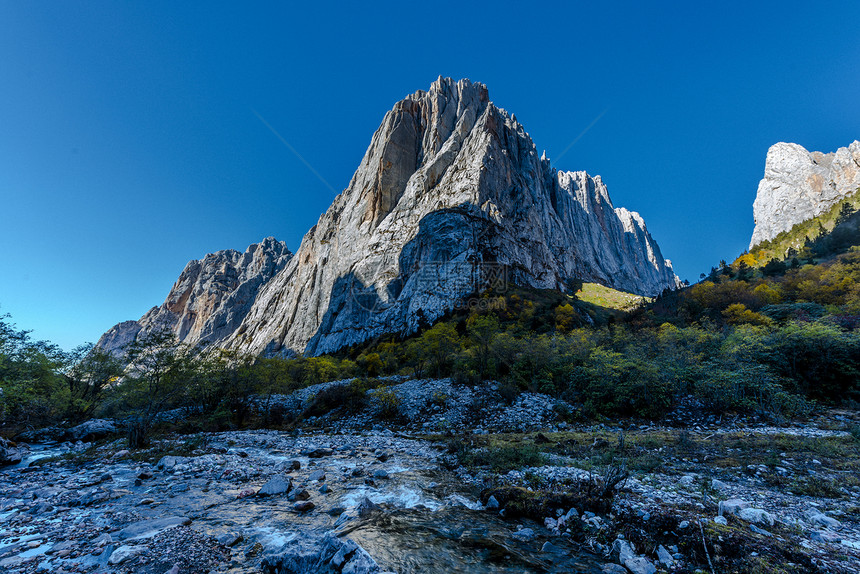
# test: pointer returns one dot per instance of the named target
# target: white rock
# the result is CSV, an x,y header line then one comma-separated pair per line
x,y
799,185
756,516
732,506
640,565
123,553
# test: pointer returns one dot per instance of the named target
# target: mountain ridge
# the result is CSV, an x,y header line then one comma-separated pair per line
x,y
449,197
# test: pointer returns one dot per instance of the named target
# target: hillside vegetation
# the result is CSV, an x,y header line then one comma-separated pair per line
x,y
774,340
789,244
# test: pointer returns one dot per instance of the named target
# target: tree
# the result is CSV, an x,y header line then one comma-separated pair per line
x,y
91,372
440,343
482,329
565,317
845,213
158,367
32,391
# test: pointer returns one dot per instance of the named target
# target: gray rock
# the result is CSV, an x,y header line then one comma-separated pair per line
x,y
307,553
169,461
816,517
317,476
756,516
304,506
492,503
623,549
299,494
449,179
317,452
9,452
230,539
721,520
732,506
613,569
149,528
799,185
276,485
524,534
123,553
825,536
92,430
640,565
366,506
380,473
665,557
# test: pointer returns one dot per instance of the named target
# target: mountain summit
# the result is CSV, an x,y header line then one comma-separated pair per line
x,y
799,185
450,198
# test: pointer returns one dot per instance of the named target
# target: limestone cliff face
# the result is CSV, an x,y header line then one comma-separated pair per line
x,y
799,185
209,300
450,197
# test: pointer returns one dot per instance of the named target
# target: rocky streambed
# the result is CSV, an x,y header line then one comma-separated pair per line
x,y
460,482
259,500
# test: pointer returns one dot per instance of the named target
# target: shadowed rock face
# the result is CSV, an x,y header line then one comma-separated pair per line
x,y
799,185
210,298
450,198
450,194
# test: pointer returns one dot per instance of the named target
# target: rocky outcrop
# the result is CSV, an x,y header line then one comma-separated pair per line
x,y
209,300
451,197
799,185
9,452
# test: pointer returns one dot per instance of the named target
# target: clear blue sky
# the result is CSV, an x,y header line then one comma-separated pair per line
x,y
128,144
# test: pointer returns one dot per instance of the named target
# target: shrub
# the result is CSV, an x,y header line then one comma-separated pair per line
x,y
348,398
502,459
387,401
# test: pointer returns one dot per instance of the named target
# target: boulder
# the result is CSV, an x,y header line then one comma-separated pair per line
x,y
756,516
123,553
816,517
308,553
732,506
149,528
92,430
276,485
9,452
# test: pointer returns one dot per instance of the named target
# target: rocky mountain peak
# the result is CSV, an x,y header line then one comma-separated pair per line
x,y
210,298
450,198
799,185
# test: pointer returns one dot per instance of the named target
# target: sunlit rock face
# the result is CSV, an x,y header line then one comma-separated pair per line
x,y
451,195
799,185
450,198
209,300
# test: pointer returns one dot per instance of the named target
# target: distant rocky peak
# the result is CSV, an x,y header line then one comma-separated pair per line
x,y
799,185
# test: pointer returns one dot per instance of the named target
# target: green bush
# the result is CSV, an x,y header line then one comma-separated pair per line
x,y
503,458
388,403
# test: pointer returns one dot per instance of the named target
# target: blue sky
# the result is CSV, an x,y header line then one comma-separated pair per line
x,y
129,143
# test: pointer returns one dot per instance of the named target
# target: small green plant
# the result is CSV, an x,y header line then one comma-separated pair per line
x,y
503,458
439,399
388,402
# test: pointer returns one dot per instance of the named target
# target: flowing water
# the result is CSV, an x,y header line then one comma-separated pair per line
x,y
427,521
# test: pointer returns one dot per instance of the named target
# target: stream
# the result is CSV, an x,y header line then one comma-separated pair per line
x,y
427,521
